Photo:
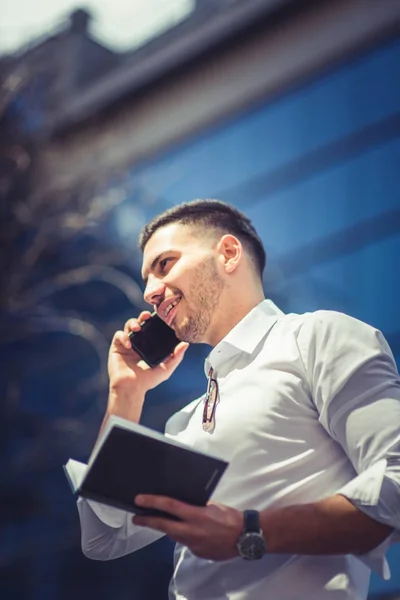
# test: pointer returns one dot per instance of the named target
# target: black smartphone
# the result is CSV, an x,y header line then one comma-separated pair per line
x,y
154,341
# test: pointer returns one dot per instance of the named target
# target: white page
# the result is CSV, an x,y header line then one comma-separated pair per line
x,y
76,472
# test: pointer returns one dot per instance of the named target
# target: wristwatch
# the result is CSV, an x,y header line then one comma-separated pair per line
x,y
251,543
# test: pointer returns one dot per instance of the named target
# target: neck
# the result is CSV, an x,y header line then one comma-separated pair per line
x,y
226,320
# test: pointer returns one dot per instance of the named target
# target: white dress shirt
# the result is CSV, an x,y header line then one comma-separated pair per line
x,y
309,407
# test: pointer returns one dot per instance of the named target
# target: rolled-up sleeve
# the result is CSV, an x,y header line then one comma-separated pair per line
x,y
109,533
356,389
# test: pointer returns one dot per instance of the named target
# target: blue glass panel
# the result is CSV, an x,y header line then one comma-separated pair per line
x,y
358,189
362,284
380,586
355,96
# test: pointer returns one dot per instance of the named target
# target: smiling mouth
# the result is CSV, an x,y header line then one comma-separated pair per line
x,y
168,313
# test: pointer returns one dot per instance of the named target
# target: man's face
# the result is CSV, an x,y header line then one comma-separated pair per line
x,y
183,282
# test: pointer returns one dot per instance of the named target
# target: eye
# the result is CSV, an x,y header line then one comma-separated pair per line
x,y
163,263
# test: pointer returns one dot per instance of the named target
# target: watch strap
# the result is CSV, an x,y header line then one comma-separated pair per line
x,y
251,521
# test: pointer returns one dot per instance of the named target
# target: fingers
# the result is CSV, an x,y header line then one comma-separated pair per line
x,y
180,349
134,324
121,340
178,353
175,529
175,507
174,359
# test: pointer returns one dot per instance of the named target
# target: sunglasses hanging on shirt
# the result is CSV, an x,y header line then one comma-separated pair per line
x,y
210,403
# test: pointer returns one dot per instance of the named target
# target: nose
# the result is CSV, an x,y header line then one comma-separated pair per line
x,y
154,291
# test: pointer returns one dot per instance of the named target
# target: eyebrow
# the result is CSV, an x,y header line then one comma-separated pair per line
x,y
154,263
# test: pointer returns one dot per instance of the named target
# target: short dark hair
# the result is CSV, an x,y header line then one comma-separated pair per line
x,y
211,214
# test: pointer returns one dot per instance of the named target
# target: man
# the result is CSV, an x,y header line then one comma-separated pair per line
x,y
306,411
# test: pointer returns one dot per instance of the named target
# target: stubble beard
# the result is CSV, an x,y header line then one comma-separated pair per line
x,y
205,291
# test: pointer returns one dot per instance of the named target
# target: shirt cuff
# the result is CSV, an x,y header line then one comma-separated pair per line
x,y
113,517
364,491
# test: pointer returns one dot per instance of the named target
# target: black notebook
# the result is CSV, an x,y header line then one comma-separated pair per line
x,y
131,459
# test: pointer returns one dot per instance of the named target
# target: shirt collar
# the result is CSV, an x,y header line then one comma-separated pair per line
x,y
246,334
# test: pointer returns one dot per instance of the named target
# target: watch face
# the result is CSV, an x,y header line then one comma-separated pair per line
x,y
251,546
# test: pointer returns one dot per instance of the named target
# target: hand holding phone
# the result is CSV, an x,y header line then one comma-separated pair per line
x,y
155,341
130,378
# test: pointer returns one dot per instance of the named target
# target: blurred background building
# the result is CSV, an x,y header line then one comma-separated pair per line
x,y
287,109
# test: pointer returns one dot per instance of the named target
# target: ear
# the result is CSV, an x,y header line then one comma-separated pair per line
x,y
230,252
